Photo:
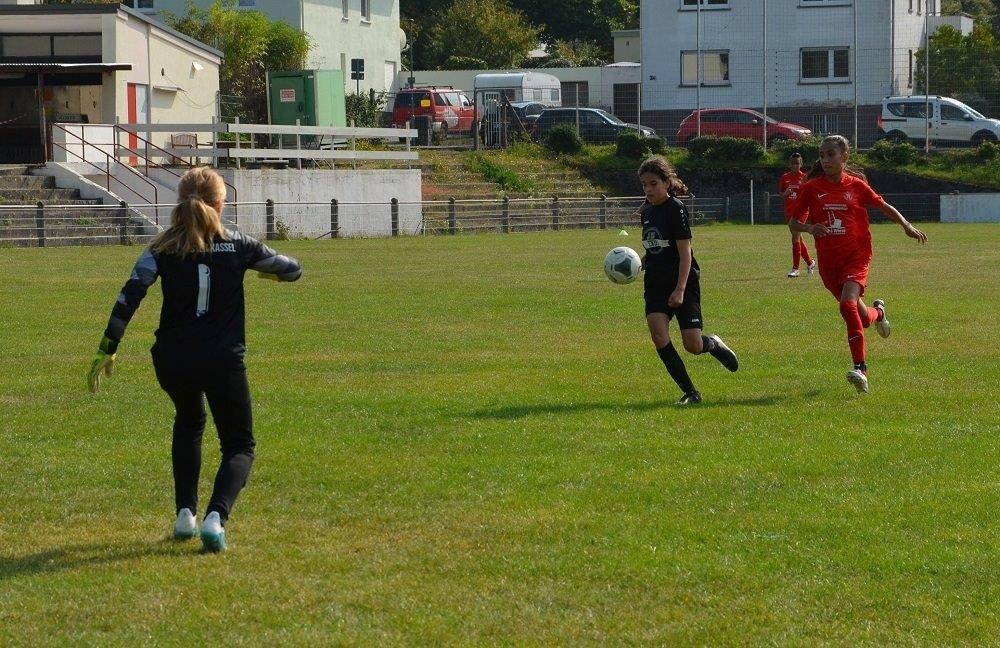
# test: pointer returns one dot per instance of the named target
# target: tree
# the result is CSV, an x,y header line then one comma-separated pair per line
x,y
964,67
251,43
487,30
584,21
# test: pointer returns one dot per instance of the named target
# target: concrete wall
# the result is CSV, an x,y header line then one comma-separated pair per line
x,y
974,208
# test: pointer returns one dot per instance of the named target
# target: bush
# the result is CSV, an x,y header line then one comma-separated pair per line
x,y
631,144
726,149
988,151
564,138
884,151
807,148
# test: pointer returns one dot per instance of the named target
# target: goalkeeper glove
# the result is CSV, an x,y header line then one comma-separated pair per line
x,y
103,364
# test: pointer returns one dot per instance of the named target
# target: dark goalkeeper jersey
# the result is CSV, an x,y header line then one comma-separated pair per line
x,y
203,305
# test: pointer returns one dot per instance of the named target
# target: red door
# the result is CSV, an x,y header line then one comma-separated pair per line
x,y
133,115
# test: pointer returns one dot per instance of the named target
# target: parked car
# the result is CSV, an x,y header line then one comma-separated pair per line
x,y
450,110
528,112
951,121
595,125
738,122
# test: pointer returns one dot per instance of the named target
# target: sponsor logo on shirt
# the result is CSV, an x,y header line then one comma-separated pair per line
x,y
223,247
834,224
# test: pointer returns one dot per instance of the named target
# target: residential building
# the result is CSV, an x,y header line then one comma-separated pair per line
x,y
339,32
823,63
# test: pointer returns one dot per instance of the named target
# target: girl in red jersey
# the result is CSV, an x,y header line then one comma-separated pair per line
x,y
788,186
834,201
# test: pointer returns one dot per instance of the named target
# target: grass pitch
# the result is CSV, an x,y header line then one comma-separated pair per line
x,y
470,440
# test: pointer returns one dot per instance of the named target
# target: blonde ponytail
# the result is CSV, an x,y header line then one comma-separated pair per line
x,y
194,222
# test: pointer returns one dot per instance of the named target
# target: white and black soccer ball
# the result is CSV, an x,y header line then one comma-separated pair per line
x,y
622,265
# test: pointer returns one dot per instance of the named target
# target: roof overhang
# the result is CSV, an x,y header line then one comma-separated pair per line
x,y
18,74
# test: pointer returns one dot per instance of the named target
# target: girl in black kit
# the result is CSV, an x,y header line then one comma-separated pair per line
x,y
199,345
671,286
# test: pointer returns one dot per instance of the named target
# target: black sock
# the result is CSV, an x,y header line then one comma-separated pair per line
x,y
707,344
861,366
675,367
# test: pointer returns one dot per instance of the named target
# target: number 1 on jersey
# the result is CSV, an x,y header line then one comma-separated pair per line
x,y
204,288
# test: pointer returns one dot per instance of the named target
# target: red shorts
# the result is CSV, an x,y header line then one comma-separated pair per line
x,y
835,272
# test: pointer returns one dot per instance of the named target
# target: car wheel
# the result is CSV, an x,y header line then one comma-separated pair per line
x,y
983,136
896,137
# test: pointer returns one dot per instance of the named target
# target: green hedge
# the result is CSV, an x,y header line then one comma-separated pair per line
x,y
725,149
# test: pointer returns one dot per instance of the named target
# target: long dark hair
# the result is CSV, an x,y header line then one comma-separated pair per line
x,y
659,166
841,143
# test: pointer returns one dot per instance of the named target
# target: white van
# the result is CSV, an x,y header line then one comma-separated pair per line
x,y
518,86
951,121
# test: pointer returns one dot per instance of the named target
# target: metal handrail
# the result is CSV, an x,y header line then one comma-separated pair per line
x,y
107,168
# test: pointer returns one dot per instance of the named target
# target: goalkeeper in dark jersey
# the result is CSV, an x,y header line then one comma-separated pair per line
x,y
198,353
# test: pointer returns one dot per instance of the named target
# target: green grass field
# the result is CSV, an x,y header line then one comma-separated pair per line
x,y
470,441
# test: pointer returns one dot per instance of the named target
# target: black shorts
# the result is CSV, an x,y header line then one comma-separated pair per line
x,y
688,314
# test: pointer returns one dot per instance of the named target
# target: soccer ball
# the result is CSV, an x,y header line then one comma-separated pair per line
x,y
622,265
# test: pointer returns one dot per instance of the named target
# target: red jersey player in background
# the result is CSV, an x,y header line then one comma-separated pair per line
x,y
834,200
788,187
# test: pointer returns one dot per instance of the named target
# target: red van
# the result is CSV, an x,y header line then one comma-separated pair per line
x,y
450,110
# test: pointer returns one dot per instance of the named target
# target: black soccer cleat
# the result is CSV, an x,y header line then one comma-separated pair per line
x,y
690,398
724,354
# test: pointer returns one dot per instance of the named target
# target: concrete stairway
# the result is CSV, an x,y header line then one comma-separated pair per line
x,y
63,219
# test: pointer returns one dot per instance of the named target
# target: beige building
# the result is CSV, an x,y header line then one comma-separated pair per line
x,y
96,63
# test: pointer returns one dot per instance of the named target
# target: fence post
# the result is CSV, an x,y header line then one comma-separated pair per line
x,y
452,224
505,216
40,222
394,215
602,215
123,222
726,213
334,218
766,217
269,220
555,212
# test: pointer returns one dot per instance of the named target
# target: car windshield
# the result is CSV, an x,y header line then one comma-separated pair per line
x,y
611,118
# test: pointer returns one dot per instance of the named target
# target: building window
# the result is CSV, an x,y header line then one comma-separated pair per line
x,y
143,4
71,48
247,3
714,68
824,65
366,10
909,71
574,93
344,8
705,4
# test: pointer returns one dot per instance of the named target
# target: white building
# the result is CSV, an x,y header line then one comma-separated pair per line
x,y
800,60
95,63
339,31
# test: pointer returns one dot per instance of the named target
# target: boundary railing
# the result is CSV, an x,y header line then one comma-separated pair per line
x,y
45,225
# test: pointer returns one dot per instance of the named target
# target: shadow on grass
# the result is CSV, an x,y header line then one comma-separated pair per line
x,y
534,409
84,555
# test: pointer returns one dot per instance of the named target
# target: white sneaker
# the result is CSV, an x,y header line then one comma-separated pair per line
x,y
811,268
794,272
882,326
213,534
858,378
186,525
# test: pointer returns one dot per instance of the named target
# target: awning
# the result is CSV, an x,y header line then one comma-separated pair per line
x,y
18,74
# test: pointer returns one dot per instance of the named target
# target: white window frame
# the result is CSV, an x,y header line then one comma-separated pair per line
x,y
830,65
712,65
825,3
692,5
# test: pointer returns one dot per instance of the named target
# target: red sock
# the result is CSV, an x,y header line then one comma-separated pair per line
x,y
795,254
855,329
874,315
804,252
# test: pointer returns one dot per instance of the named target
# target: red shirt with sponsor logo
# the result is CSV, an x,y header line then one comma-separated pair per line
x,y
791,180
842,208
